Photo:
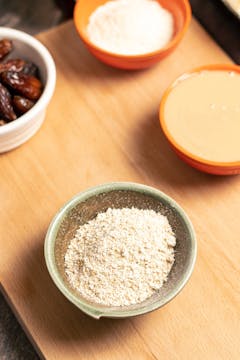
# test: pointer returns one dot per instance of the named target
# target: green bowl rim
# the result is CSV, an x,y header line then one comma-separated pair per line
x,y
95,311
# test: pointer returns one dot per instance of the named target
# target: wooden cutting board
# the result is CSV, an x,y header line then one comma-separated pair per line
x,y
101,126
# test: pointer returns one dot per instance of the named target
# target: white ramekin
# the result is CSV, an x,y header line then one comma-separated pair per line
x,y
27,47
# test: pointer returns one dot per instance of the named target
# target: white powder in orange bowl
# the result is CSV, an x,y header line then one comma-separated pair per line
x,y
130,27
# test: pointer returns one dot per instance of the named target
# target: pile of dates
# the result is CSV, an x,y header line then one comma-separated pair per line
x,y
20,86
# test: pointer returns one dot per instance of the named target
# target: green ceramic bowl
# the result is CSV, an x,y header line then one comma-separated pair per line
x,y
84,207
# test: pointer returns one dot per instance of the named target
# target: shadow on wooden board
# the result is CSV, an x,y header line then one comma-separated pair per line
x,y
155,157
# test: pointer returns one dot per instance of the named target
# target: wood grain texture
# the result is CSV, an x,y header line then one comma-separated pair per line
x,y
102,125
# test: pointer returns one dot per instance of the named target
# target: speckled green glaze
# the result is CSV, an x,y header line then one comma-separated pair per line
x,y
85,206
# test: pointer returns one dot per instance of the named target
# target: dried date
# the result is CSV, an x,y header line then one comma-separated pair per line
x,y
22,105
19,65
6,109
15,65
22,84
5,48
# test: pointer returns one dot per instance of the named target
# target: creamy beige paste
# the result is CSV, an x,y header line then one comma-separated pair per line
x,y
202,113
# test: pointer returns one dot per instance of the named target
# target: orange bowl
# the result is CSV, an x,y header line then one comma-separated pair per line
x,y
180,10
211,167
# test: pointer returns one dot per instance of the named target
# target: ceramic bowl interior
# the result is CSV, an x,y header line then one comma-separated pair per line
x,y
85,207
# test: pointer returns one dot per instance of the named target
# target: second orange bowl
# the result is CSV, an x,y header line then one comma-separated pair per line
x,y
208,166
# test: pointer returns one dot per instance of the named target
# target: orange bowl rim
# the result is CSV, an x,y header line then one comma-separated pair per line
x,y
209,67
171,44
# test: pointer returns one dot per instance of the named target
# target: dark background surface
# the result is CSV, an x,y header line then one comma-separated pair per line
x,y
221,24
35,16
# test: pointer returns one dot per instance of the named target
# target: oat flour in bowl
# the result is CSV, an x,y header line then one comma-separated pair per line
x,y
121,257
